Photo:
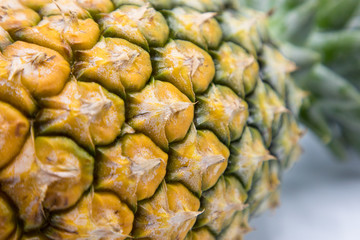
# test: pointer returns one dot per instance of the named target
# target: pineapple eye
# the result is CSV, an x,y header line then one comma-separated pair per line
x,y
266,109
199,28
14,128
222,111
40,70
35,184
198,160
96,7
200,233
285,144
14,16
64,34
84,111
133,168
241,29
139,25
173,208
235,68
247,156
158,110
14,92
5,39
116,64
225,199
63,7
103,216
185,65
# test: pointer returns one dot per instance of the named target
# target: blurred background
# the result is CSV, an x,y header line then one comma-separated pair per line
x,y
320,199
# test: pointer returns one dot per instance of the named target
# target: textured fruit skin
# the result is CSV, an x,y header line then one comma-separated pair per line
x,y
140,119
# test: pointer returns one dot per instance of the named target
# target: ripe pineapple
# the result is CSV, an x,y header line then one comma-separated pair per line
x,y
136,119
323,38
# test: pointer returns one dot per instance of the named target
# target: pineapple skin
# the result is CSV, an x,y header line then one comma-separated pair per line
x,y
141,119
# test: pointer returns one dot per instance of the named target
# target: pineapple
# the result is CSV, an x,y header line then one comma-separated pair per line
x,y
140,119
323,41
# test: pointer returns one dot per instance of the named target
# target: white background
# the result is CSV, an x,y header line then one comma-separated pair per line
x,y
320,199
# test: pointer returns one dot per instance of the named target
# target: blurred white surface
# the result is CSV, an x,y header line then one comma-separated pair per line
x,y
320,199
